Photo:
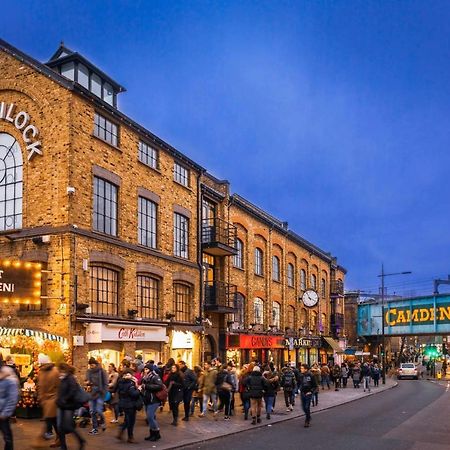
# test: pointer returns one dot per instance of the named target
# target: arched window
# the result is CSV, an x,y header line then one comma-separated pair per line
x,y
313,324
290,275
104,291
275,268
323,287
323,323
182,300
259,261
313,282
303,280
258,311
147,297
291,317
11,183
276,314
304,318
238,260
239,315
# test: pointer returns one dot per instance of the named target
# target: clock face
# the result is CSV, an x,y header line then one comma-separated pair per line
x,y
310,298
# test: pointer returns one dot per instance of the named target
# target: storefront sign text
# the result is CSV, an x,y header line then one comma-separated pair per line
x,y
256,341
300,342
20,282
418,315
99,332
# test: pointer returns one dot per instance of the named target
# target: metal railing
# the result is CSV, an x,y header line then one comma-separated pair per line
x,y
337,287
218,231
219,294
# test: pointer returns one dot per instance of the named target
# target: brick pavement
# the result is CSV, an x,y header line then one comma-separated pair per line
x,y
196,430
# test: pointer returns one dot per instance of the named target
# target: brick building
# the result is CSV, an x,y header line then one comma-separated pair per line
x,y
137,242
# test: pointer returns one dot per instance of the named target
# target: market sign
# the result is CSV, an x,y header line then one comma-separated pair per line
x,y
299,342
20,282
418,315
252,341
99,332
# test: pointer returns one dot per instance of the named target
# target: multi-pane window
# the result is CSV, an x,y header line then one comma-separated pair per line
x,y
11,183
313,282
238,257
106,130
182,300
290,275
147,222
148,155
304,318
181,174
313,323
258,311
239,315
323,323
147,296
180,235
258,261
275,268
302,280
104,291
323,287
276,314
291,317
105,206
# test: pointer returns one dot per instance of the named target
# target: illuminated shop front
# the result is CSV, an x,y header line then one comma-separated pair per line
x,y
302,349
182,347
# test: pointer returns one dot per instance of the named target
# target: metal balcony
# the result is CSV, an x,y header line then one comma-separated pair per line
x,y
218,237
220,297
337,288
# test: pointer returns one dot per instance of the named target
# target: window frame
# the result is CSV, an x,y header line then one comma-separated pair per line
x,y
178,233
257,301
276,269
323,287
291,324
113,216
148,155
276,314
313,282
259,261
238,258
102,123
303,279
239,315
183,314
146,219
182,177
290,275
112,308
153,299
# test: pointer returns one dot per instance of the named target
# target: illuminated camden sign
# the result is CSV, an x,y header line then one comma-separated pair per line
x,y
20,282
418,315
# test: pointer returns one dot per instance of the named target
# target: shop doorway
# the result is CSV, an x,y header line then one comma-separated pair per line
x,y
209,347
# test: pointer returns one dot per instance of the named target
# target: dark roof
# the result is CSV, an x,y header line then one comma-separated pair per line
x,y
98,102
64,55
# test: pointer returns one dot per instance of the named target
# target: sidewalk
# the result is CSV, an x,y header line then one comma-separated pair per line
x,y
194,431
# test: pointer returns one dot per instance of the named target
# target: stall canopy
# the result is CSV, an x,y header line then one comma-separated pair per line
x,y
31,333
333,344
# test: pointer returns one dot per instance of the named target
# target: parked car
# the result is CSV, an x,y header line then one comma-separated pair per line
x,y
408,370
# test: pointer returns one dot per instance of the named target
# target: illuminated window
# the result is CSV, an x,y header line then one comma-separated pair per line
x,y
105,206
258,311
238,260
147,296
275,268
104,291
11,183
290,275
313,324
276,314
258,261
147,222
182,300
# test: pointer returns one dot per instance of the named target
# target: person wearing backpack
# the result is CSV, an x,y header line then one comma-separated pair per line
x,y
307,390
68,401
289,385
271,391
129,397
151,384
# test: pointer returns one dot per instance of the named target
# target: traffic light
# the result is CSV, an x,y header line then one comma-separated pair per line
x,y
431,351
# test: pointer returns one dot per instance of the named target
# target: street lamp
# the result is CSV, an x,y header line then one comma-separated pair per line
x,y
382,276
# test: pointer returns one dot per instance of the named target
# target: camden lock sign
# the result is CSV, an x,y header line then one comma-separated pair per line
x,y
21,120
417,315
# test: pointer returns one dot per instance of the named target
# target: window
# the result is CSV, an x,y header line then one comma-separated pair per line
x,y
108,93
276,314
259,261
147,222
148,155
323,323
258,311
275,268
313,324
291,317
106,130
313,282
302,280
105,206
83,75
304,318
181,174
182,300
104,291
96,85
11,183
180,235
68,70
323,287
290,275
239,315
147,296
238,257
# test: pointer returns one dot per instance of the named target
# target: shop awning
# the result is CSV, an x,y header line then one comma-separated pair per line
x,y
31,333
333,344
349,351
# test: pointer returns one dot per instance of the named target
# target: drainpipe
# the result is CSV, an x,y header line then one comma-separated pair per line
x,y
200,263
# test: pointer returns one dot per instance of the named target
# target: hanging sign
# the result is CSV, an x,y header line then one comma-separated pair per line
x,y
20,282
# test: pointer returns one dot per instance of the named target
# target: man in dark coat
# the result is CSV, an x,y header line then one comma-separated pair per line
x,y
189,384
97,380
256,385
307,388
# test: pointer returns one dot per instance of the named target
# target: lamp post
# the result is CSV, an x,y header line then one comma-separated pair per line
x,y
382,276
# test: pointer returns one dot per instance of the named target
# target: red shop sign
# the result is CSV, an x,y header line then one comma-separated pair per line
x,y
258,341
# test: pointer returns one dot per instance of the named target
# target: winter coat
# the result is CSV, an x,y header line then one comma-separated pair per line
x,y
174,384
288,381
9,391
309,384
113,378
224,376
209,382
98,381
316,374
128,393
344,372
365,371
198,392
325,371
256,385
189,379
151,384
47,387
356,374
67,390
337,372
272,384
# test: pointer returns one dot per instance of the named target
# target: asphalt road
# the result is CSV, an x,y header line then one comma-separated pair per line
x,y
413,416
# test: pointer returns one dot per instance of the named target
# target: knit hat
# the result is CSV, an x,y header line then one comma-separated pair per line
x,y
43,359
92,360
256,369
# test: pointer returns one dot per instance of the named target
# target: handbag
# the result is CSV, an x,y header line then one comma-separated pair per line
x,y
139,404
107,397
226,386
162,394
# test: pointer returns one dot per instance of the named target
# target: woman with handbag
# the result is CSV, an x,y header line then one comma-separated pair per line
x,y
113,400
129,397
224,383
150,386
174,385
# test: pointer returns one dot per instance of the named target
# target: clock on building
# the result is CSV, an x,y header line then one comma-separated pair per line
x,y
310,298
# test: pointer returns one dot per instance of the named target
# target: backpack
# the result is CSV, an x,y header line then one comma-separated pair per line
x,y
162,394
288,381
80,397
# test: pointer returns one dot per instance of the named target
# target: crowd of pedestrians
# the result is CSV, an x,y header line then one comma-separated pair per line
x,y
68,402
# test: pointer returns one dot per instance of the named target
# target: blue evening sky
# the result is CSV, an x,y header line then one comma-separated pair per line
x,y
331,115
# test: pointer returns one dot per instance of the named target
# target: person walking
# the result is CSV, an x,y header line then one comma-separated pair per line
x,y
315,370
97,382
189,384
356,375
174,385
337,374
68,401
271,392
197,394
151,384
128,400
243,391
231,367
365,373
344,375
224,386
113,378
209,389
325,376
47,388
307,389
9,395
376,375
289,385
256,386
